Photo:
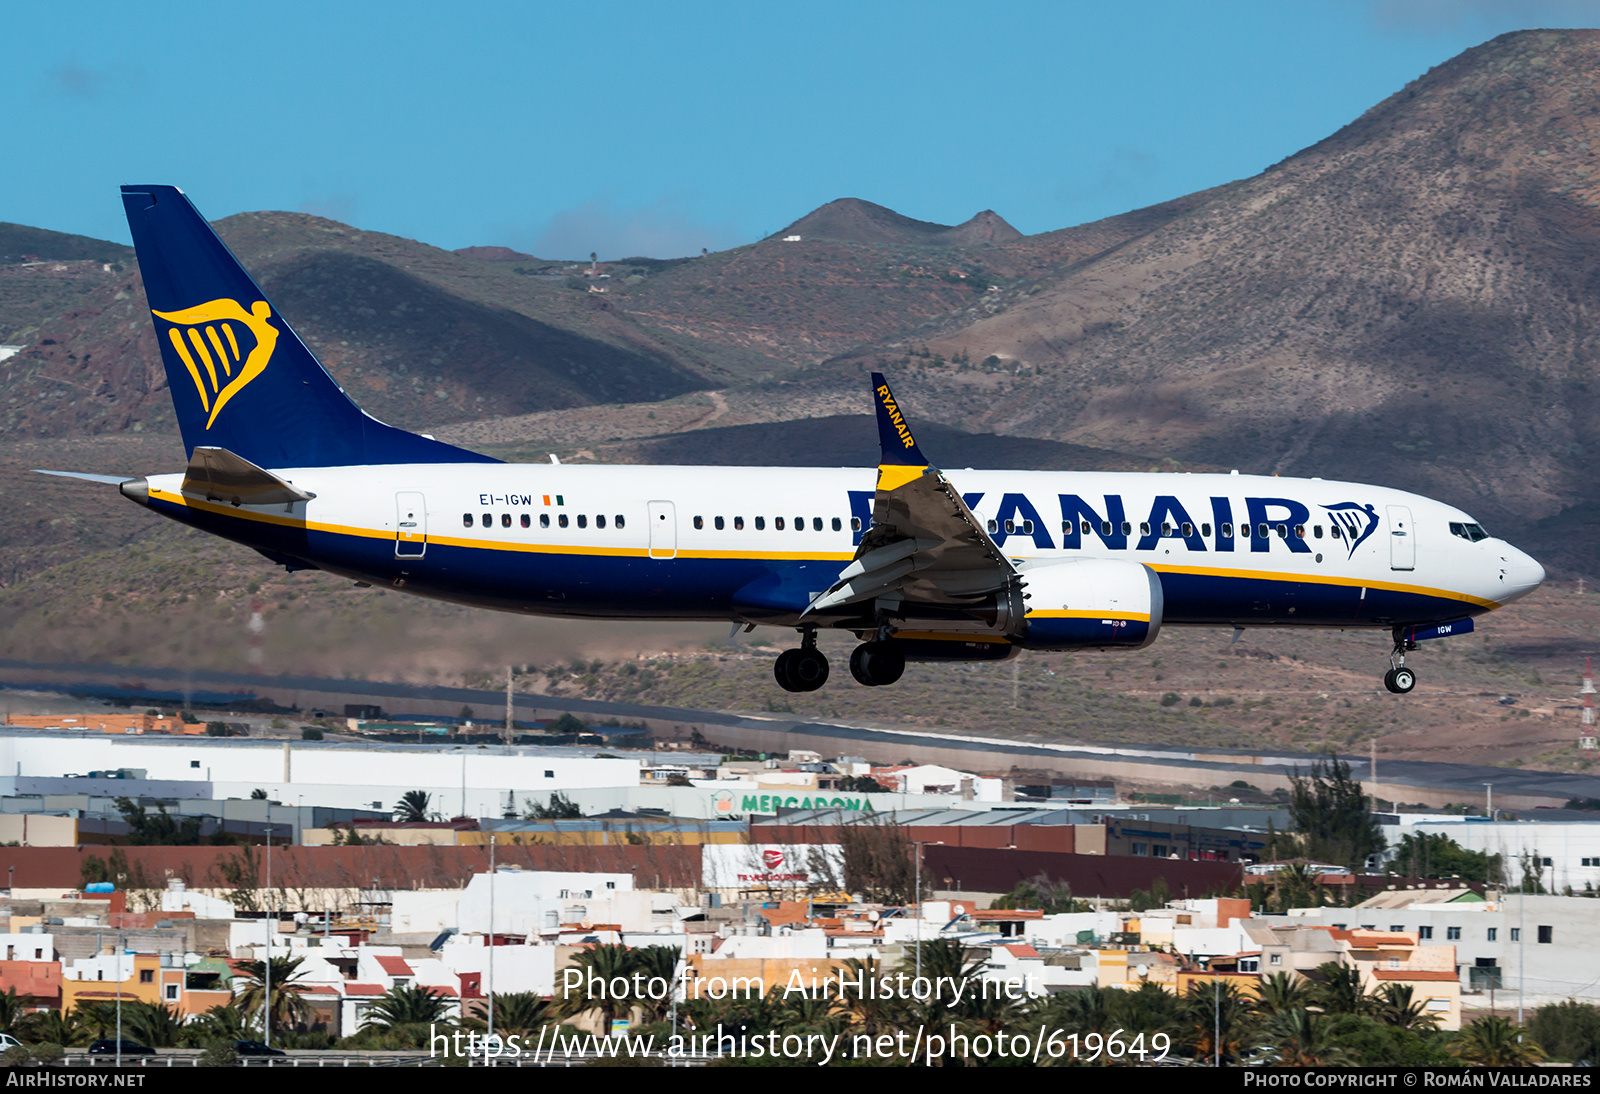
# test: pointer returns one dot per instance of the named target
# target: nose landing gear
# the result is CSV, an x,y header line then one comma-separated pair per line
x,y
803,669
1400,679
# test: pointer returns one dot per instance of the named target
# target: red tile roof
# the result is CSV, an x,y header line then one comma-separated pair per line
x,y
1014,913
1416,974
1024,951
394,966
364,989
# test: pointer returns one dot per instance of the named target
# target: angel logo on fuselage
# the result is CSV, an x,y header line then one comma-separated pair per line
x,y
1351,517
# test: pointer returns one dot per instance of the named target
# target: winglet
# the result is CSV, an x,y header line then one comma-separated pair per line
x,y
899,460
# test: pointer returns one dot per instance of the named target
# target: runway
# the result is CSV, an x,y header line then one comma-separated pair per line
x,y
1140,767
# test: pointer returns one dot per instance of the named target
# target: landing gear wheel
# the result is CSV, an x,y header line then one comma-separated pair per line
x,y
780,670
1388,681
800,670
1403,680
877,664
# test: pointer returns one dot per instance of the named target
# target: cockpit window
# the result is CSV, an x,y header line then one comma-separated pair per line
x,y
1472,533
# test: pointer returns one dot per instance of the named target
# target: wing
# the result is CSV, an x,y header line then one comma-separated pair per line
x,y
924,547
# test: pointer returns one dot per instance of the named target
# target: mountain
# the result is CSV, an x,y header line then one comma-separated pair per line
x,y
851,220
20,243
1411,301
494,254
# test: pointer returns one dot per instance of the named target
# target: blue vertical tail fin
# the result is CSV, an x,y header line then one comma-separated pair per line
x,y
241,378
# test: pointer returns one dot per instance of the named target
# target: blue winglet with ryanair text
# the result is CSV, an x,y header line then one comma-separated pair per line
x,y
241,378
898,449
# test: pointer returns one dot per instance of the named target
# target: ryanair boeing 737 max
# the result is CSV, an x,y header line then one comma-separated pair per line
x,y
920,564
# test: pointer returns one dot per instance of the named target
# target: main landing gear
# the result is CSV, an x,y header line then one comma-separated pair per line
x,y
1400,679
803,669
873,664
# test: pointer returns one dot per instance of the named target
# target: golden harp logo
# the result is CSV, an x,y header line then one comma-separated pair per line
x,y
206,338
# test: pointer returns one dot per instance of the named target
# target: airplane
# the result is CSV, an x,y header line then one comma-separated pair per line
x,y
919,563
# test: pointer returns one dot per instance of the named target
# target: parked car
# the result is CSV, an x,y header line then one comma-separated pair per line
x,y
256,1048
8,1041
108,1047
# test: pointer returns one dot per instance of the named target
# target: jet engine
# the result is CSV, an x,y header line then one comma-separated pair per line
x,y
1090,603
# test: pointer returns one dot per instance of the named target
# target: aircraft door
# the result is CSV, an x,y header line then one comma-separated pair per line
x,y
663,530
1402,539
410,525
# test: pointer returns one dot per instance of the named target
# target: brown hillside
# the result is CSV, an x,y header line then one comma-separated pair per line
x,y
1408,302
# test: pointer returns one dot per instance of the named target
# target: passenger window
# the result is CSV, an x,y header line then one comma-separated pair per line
x,y
583,520
1010,528
1144,528
1261,530
527,521
1333,530
855,524
505,520
562,520
488,520
544,520
738,524
620,522
1127,528
1205,530
699,522
1066,527
761,523
1300,531
1105,527
466,520
1188,530
1244,531
799,524
1085,527
1316,531
1166,530
600,520
1227,531
716,522
816,524
994,527
838,525
1027,527
1283,531
777,522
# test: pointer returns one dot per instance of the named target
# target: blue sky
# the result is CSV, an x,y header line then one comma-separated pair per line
x,y
658,129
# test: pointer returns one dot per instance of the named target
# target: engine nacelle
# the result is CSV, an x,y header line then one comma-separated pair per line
x,y
1090,603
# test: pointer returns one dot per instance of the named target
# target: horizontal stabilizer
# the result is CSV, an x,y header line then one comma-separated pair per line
x,y
112,480
218,475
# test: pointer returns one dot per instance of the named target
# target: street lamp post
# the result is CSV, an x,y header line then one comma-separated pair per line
x,y
266,964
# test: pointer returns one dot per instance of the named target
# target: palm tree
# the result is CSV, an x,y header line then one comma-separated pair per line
x,y
599,963
1304,1039
409,1006
1496,1042
653,962
12,1008
1282,991
1340,991
223,1022
52,1027
98,1019
412,808
1216,1008
523,1012
155,1025
1399,1008
866,1011
288,1003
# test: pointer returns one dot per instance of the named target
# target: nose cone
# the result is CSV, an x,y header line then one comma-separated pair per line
x,y
1520,574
